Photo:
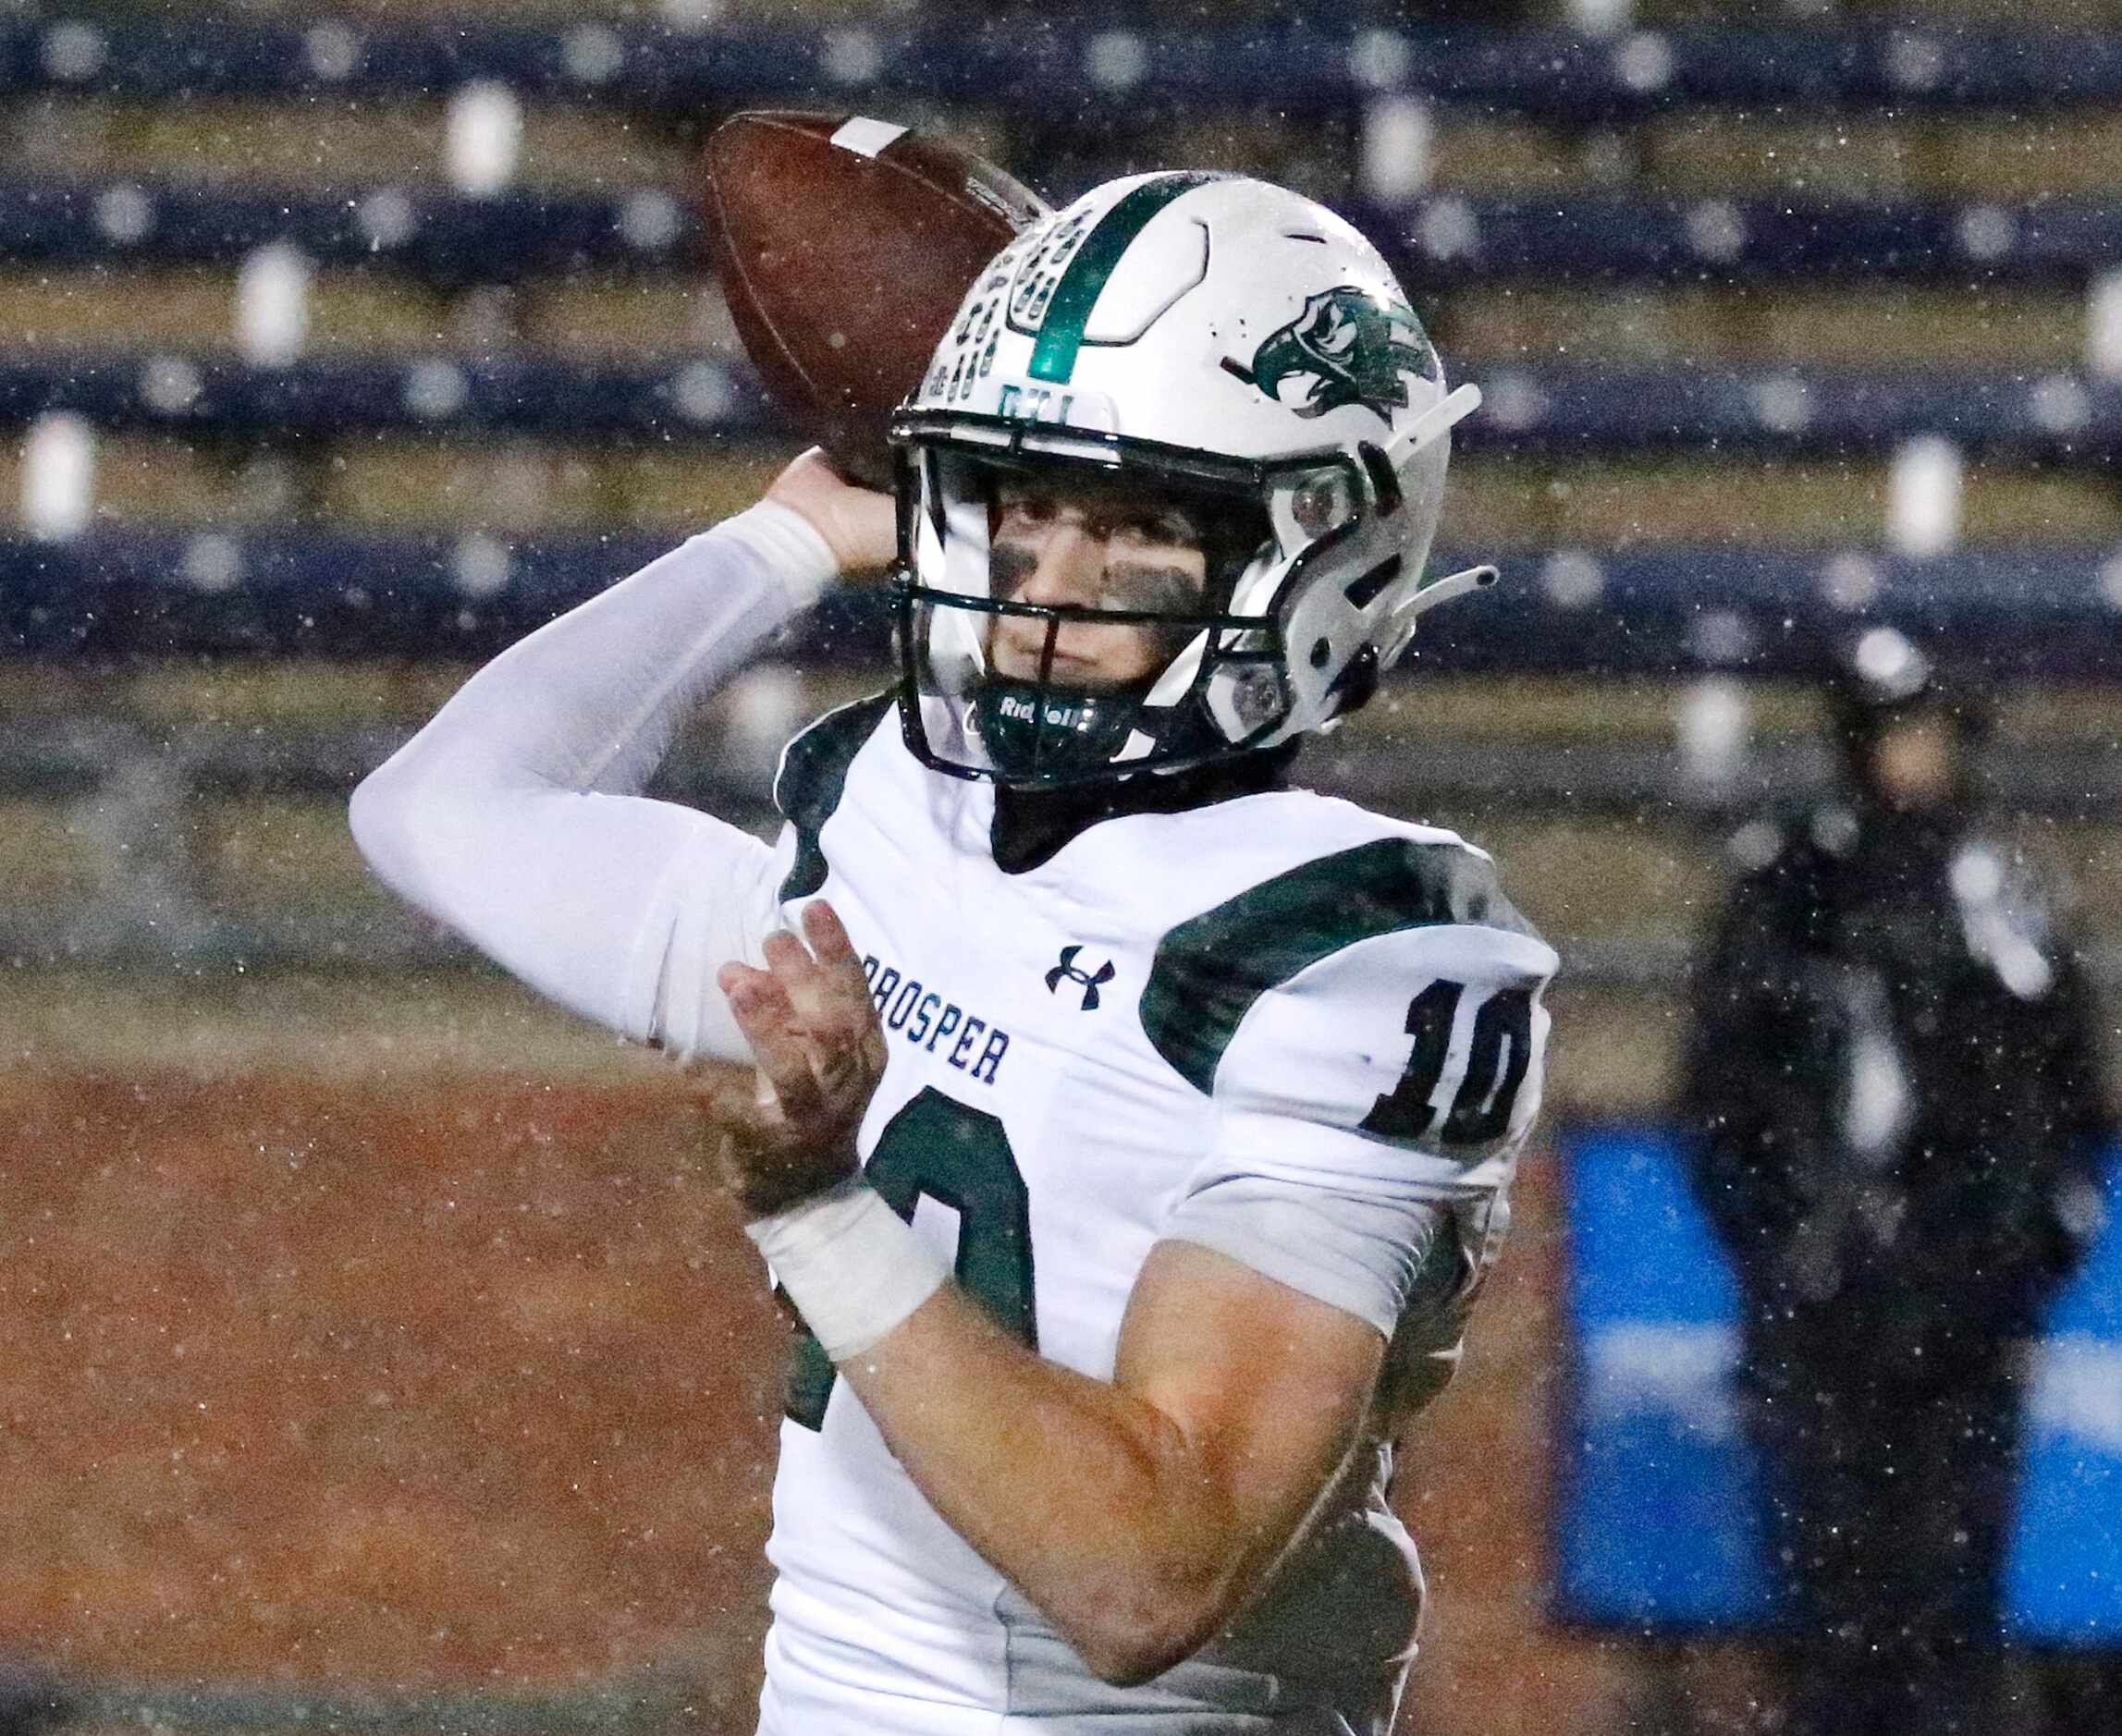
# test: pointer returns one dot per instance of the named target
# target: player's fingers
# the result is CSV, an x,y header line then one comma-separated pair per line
x,y
812,1030
780,1043
846,1001
785,950
860,525
838,961
829,938
791,976
755,996
810,988
788,959
736,976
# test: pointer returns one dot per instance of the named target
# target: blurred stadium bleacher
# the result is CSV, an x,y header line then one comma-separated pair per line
x,y
383,336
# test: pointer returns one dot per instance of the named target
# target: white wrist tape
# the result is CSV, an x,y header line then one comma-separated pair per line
x,y
853,1269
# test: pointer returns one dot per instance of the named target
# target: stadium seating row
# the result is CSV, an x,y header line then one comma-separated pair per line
x,y
1390,150
1325,63
1658,608
564,335
1785,410
197,818
457,238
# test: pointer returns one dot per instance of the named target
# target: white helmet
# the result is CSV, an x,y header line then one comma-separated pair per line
x,y
1215,336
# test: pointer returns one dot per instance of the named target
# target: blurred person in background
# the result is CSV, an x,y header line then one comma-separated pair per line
x,y
1891,1090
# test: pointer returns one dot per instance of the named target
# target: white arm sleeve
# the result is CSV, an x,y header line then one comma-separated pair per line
x,y
514,818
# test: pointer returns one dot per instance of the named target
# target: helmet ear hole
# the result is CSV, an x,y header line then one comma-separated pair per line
x,y
1321,652
1384,479
1362,591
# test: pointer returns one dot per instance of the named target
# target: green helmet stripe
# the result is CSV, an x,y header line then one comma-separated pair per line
x,y
1061,335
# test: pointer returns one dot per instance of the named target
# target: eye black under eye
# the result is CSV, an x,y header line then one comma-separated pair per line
x,y
1009,566
1170,589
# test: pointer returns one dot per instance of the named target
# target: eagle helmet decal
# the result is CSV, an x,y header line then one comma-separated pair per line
x,y
1349,345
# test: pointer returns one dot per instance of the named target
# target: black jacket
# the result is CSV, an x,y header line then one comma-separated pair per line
x,y
1892,1088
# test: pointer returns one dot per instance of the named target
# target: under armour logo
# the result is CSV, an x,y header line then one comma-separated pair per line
x,y
1067,968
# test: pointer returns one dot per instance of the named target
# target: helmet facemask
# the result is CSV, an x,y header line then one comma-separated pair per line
x,y
1216,681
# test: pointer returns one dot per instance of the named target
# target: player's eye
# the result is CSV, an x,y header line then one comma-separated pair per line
x,y
1014,505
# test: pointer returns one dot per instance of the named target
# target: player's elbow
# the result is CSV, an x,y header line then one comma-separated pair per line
x,y
1128,1657
375,815
1130,1668
1126,1642
1157,1595
389,817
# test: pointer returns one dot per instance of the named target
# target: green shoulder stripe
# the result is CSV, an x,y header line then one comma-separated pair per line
x,y
1210,971
812,775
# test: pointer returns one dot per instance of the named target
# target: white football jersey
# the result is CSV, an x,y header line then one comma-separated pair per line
x,y
1275,1024
1278,1025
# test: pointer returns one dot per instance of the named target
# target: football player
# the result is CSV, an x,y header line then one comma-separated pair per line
x,y
1132,1128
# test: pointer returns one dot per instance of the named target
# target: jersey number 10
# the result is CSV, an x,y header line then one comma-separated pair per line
x,y
1497,1056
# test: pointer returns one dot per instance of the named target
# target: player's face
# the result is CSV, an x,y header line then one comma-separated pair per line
x,y
1116,547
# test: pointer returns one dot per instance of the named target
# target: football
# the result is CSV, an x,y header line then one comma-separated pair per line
x,y
844,245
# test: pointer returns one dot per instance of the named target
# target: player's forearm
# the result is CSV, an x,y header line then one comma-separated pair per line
x,y
590,702
1089,1499
499,817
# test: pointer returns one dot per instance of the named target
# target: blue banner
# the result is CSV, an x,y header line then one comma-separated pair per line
x,y
1658,1516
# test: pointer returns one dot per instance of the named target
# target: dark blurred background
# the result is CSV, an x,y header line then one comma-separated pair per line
x,y
374,1356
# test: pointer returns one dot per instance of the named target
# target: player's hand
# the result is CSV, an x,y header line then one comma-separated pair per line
x,y
819,1049
859,524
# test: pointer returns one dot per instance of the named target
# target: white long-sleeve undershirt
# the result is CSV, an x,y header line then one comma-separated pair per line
x,y
515,818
